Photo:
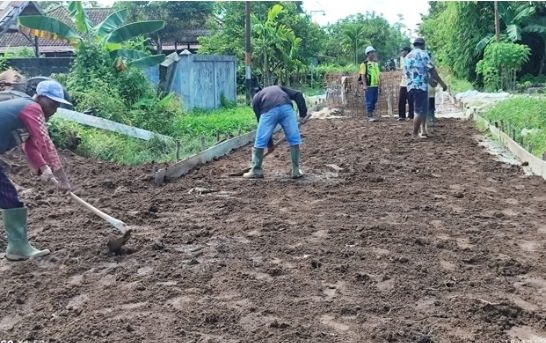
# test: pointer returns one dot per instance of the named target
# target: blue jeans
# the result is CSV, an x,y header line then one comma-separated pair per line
x,y
283,115
371,99
8,194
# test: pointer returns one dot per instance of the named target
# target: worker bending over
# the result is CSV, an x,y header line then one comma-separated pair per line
x,y
23,122
273,105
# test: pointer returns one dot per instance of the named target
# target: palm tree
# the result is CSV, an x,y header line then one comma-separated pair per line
x,y
354,36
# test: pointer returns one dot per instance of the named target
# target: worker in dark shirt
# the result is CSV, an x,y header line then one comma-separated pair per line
x,y
273,105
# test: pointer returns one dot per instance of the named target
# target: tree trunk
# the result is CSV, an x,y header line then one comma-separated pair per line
x,y
356,52
266,70
541,68
158,44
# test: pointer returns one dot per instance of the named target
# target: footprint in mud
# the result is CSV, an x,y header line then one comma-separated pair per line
x,y
145,270
386,285
9,321
448,265
107,280
511,201
318,236
525,333
330,321
75,280
438,224
541,230
510,212
530,246
464,243
181,302
524,304
77,301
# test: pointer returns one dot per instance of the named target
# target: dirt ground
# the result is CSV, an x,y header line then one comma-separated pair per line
x,y
384,240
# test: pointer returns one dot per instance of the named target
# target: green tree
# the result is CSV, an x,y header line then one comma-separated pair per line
x,y
178,16
355,32
284,41
452,30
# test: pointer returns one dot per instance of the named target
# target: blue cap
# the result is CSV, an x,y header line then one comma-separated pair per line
x,y
52,90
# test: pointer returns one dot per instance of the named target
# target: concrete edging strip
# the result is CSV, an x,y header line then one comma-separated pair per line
x,y
183,167
536,165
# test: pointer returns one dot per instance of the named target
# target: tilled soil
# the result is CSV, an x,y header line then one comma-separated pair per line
x,y
385,240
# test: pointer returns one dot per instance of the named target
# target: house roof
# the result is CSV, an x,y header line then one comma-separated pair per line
x,y
17,39
96,15
10,10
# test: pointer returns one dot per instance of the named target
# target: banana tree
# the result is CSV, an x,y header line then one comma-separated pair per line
x,y
289,55
538,25
270,37
514,18
112,34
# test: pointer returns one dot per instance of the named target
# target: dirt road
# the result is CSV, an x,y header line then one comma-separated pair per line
x,y
385,240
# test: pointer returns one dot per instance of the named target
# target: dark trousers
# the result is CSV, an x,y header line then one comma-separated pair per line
x,y
8,194
432,105
371,99
405,97
431,118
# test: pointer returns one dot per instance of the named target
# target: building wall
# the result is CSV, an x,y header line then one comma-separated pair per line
x,y
200,80
43,66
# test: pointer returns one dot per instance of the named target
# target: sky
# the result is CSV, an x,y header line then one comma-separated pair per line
x,y
335,10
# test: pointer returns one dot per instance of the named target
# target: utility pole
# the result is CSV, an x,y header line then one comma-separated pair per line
x,y
248,51
497,23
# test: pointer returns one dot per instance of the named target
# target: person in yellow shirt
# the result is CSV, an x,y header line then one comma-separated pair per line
x,y
369,79
404,96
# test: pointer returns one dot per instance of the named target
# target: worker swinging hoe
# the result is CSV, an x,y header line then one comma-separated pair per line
x,y
29,102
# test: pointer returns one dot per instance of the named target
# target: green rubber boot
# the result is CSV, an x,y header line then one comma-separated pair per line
x,y
295,157
256,169
15,224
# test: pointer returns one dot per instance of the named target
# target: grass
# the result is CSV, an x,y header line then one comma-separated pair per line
x,y
188,128
522,112
455,85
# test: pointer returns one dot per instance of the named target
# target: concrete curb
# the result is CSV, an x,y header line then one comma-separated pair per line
x,y
535,164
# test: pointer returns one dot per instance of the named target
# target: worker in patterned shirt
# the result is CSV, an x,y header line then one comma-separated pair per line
x,y
419,68
23,122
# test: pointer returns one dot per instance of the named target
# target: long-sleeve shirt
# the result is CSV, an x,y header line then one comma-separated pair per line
x,y
274,96
22,122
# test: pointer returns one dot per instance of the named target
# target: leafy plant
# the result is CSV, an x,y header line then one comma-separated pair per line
x,y
500,64
112,34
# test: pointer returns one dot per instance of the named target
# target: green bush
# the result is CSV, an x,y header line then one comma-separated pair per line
x,y
500,63
187,127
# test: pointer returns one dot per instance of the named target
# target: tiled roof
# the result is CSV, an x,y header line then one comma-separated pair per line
x,y
188,36
96,15
17,39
